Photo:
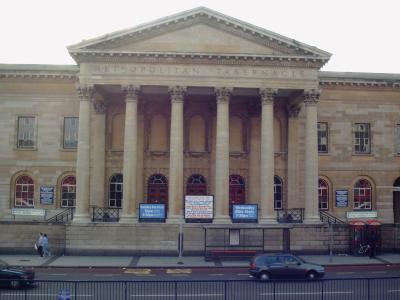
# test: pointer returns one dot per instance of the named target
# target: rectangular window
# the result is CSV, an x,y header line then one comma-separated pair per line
x,y
397,139
71,126
362,140
26,133
322,137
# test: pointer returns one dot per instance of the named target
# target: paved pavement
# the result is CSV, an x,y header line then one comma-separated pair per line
x,y
186,261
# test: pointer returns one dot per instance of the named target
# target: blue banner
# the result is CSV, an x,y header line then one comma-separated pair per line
x,y
245,212
151,211
342,198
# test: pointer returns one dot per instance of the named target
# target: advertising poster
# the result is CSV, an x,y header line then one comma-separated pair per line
x,y
342,198
46,194
151,212
199,207
245,213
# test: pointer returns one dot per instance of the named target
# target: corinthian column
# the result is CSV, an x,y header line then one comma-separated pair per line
x,y
267,155
97,185
81,214
311,98
222,156
175,188
130,154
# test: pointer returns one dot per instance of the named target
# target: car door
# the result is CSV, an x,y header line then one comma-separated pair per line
x,y
276,267
292,267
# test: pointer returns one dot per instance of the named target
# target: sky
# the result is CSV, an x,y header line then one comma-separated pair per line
x,y
362,35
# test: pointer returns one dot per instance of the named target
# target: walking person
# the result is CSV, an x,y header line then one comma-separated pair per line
x,y
46,247
39,244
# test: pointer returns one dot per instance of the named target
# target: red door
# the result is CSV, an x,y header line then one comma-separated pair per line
x,y
157,190
237,191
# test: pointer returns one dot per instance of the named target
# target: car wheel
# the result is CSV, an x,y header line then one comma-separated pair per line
x,y
311,275
264,276
15,283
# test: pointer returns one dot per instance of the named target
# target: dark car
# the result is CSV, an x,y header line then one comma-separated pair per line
x,y
265,266
15,277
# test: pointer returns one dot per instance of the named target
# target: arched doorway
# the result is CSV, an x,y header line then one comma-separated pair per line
x,y
157,190
237,191
196,185
396,200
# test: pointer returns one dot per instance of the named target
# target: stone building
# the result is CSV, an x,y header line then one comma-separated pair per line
x,y
197,103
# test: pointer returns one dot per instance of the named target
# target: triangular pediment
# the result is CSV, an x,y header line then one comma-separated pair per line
x,y
198,31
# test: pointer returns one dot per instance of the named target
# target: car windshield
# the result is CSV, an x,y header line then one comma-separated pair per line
x,y
3,264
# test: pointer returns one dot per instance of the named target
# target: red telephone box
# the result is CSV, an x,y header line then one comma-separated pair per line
x,y
374,235
358,236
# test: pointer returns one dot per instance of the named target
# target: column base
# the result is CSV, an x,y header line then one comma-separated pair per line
x,y
268,220
222,220
81,219
175,219
128,219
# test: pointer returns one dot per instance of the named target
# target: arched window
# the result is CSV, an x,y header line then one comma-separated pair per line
x,y
323,195
196,185
157,189
362,194
68,191
115,193
237,194
278,203
24,191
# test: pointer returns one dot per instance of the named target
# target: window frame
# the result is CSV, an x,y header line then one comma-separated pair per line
x,y
119,188
64,140
319,195
276,186
19,133
319,137
397,139
26,188
363,194
71,189
356,143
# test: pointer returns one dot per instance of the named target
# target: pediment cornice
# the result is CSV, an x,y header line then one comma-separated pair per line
x,y
280,44
359,80
59,72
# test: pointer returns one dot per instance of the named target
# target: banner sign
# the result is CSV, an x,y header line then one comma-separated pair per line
x,y
342,198
149,212
362,214
245,213
46,194
199,207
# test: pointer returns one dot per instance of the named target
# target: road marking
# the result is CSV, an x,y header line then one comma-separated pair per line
x,y
45,295
393,291
138,271
379,272
182,295
58,274
344,273
179,271
216,274
305,293
103,275
243,274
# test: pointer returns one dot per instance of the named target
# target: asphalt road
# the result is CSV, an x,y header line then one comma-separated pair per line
x,y
203,283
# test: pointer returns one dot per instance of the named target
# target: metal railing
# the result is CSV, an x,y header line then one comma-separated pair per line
x,y
328,218
63,217
293,215
105,214
344,289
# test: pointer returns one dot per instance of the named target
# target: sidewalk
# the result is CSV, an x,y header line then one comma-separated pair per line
x,y
187,261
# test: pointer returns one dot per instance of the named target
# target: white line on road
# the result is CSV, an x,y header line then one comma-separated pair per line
x,y
243,274
58,274
173,295
306,293
103,275
41,295
216,274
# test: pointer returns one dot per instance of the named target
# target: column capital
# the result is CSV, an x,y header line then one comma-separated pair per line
x,y
268,95
131,92
99,106
223,94
311,97
85,92
177,93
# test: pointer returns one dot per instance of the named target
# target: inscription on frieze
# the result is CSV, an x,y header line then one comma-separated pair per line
x,y
199,71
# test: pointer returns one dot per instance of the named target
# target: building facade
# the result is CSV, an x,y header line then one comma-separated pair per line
x,y
198,103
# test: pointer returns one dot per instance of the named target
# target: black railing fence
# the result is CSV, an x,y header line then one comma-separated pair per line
x,y
323,289
328,218
63,217
104,214
293,215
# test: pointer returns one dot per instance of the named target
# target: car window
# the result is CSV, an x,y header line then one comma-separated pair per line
x,y
290,260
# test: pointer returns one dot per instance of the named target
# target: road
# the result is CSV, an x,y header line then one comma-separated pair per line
x,y
212,283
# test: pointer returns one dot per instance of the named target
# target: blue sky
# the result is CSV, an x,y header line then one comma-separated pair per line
x,y
362,35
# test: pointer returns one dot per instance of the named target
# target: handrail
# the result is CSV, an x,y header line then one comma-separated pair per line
x,y
63,217
330,219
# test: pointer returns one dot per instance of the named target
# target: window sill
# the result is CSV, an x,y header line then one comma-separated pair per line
x,y
25,149
363,154
324,153
68,150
